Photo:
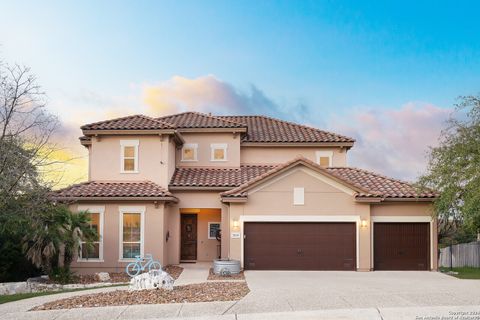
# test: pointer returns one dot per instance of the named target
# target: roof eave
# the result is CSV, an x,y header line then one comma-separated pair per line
x,y
234,199
347,145
369,199
129,132
393,199
165,199
198,188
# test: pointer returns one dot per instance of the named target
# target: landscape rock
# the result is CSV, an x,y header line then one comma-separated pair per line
x,y
102,276
154,279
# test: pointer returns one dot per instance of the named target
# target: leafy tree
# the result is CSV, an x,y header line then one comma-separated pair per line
x,y
50,233
454,170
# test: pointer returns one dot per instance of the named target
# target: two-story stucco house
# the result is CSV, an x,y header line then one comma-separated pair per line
x,y
281,193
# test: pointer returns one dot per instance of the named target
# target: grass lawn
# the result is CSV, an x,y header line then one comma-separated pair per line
x,y
20,296
464,273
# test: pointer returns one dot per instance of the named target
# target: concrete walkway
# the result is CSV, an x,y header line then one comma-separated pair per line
x,y
193,273
216,311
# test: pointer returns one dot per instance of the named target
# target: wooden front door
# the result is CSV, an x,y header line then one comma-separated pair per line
x,y
188,249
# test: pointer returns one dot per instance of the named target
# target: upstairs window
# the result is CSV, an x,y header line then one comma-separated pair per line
x,y
129,156
189,152
219,152
324,158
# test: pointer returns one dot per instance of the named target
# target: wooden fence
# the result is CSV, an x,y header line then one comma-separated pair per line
x,y
462,255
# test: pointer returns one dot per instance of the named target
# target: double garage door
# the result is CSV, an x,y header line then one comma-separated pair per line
x,y
332,246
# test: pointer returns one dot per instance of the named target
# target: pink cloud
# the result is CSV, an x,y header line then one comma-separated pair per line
x,y
206,94
393,142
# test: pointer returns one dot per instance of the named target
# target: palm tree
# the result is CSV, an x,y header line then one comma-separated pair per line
x,y
55,237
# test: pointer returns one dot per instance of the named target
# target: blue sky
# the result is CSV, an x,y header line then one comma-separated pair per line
x,y
327,63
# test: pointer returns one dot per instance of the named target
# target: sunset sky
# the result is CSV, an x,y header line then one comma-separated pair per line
x,y
386,73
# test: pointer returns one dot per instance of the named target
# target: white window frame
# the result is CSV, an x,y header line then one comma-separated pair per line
x,y
100,210
193,146
131,209
129,143
298,196
208,235
215,146
322,154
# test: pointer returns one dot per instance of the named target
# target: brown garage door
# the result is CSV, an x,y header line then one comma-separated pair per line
x,y
300,246
401,246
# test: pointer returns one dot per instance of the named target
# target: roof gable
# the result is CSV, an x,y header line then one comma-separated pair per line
x,y
242,190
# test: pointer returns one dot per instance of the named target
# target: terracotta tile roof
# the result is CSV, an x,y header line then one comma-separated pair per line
x,y
112,189
199,120
266,129
217,177
260,129
367,184
135,122
376,183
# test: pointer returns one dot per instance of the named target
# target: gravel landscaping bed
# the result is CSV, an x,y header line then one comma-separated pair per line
x,y
174,271
201,292
120,277
213,276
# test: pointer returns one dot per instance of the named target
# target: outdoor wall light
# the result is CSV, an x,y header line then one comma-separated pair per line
x,y
364,223
235,224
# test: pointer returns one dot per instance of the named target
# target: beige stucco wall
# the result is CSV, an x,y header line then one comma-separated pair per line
x,y
204,151
154,236
402,209
323,197
275,155
153,158
206,248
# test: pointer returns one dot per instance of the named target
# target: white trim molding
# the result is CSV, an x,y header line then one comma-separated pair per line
x,y
404,219
193,146
131,209
326,154
215,146
129,143
101,211
298,196
298,218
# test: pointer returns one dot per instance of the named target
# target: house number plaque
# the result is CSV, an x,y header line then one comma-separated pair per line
x,y
235,235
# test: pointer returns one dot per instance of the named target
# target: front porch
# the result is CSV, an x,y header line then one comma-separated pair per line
x,y
200,237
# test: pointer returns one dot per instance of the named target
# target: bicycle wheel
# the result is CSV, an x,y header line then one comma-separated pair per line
x,y
155,265
132,269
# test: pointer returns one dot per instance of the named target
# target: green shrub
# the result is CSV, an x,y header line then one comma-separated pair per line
x,y
62,276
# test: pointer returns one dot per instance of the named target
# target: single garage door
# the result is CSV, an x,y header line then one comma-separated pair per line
x,y
401,246
299,246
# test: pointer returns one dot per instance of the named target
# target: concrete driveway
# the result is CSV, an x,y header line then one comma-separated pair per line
x,y
274,291
288,295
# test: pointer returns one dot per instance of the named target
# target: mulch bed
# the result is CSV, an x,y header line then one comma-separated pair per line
x,y
120,277
213,276
201,292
